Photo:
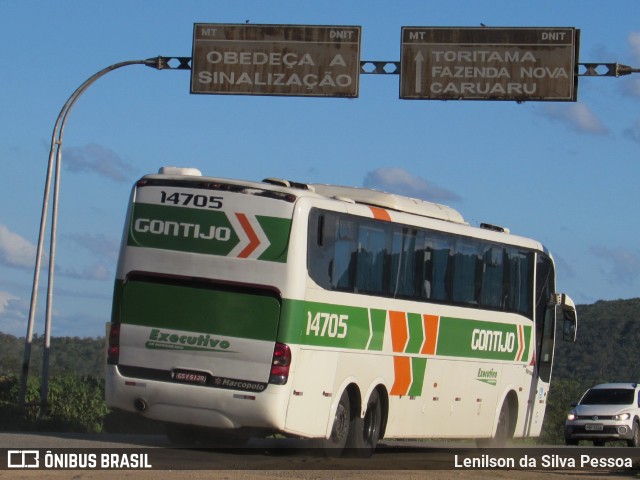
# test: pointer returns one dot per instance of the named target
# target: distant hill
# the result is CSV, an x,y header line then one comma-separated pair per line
x,y
68,355
607,349
608,344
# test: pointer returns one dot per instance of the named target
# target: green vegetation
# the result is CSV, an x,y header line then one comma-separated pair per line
x,y
76,389
607,350
67,356
75,404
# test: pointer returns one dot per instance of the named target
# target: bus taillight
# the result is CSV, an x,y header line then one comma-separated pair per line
x,y
280,364
113,350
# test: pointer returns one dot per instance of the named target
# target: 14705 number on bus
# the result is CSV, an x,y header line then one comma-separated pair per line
x,y
327,325
190,199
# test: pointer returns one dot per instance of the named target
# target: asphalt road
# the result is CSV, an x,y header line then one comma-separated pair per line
x,y
150,456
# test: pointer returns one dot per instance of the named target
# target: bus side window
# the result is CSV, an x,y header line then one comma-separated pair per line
x,y
438,263
343,266
320,247
427,273
372,256
362,255
466,272
403,263
491,293
520,270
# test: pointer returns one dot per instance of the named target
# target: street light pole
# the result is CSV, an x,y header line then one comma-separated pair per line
x,y
55,160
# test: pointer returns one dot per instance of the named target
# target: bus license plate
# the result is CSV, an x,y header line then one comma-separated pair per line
x,y
593,427
189,376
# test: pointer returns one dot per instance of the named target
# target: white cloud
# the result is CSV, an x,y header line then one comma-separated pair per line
x,y
399,181
576,116
633,132
12,314
631,83
634,44
97,244
5,298
92,272
16,251
98,159
104,252
623,265
631,86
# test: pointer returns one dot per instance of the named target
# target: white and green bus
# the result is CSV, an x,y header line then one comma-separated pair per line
x,y
341,314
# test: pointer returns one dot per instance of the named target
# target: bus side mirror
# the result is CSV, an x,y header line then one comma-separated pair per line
x,y
570,317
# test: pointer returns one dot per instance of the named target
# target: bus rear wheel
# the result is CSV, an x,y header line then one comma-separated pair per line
x,y
334,445
365,432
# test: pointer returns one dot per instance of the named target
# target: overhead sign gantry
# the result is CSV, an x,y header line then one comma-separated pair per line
x,y
442,63
296,60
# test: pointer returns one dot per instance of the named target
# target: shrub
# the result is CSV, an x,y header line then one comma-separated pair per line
x,y
75,404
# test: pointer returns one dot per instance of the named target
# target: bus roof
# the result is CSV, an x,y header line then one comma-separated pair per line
x,y
365,196
391,201
357,195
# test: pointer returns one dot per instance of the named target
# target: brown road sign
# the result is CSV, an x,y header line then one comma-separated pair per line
x,y
489,63
297,60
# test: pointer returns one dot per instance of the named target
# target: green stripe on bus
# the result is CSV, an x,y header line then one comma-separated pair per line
x,y
245,315
358,328
378,322
320,324
527,342
479,339
416,333
183,229
277,231
201,231
418,369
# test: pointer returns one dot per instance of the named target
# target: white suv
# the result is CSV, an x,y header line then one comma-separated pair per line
x,y
606,412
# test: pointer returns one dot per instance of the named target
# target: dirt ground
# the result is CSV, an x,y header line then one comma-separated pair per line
x,y
231,466
317,475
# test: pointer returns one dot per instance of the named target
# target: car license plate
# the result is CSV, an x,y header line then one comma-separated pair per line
x,y
189,376
593,427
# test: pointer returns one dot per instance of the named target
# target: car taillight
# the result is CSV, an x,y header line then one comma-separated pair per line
x,y
280,364
113,349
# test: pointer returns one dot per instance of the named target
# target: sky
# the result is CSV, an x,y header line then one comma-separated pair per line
x,y
563,173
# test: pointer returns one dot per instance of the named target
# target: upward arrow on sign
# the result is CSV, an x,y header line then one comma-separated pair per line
x,y
419,61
